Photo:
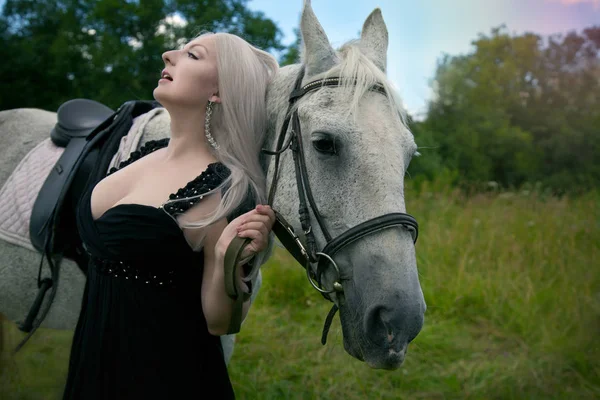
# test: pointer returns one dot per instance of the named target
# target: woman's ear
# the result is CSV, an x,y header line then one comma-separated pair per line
x,y
215,98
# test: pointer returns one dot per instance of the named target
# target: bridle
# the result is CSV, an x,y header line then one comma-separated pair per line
x,y
307,254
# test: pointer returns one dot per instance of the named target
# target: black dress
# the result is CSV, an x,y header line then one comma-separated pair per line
x,y
141,333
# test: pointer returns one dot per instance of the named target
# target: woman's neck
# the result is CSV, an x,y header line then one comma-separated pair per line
x,y
187,137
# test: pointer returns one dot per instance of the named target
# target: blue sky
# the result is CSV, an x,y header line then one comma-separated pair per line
x,y
420,31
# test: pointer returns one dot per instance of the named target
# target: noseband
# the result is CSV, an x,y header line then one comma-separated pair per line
x,y
307,254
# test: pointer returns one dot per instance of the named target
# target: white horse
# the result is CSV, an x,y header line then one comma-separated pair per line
x,y
356,149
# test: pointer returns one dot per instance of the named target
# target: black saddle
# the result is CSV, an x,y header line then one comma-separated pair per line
x,y
78,118
91,133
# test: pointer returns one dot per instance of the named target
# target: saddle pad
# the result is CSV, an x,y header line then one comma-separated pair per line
x,y
18,194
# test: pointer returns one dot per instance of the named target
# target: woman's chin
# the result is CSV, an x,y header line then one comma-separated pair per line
x,y
159,96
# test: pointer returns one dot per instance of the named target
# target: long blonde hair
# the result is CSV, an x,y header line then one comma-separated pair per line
x,y
239,122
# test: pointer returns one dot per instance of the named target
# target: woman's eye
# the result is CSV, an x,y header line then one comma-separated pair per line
x,y
324,146
191,55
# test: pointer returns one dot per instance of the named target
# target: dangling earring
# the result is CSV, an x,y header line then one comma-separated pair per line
x,y
208,115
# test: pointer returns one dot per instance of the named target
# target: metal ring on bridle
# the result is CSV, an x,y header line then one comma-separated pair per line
x,y
337,286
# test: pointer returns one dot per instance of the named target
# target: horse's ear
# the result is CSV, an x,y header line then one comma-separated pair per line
x,y
374,39
318,55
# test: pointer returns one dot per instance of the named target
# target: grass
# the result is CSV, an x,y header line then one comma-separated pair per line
x,y
513,291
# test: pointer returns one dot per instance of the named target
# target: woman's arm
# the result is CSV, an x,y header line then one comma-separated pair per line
x,y
216,305
255,224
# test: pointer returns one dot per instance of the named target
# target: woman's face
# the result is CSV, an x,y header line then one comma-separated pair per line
x,y
193,75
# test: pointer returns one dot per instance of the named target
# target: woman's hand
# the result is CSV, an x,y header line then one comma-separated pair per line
x,y
216,303
255,224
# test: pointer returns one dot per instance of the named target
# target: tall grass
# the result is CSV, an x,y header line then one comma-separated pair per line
x,y
512,283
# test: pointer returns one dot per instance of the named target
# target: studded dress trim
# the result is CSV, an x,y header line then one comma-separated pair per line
x,y
181,201
156,277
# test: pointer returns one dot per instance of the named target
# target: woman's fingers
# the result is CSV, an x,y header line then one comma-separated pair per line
x,y
257,226
254,234
259,239
253,217
264,209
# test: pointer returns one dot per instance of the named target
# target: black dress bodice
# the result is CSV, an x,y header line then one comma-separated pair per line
x,y
141,333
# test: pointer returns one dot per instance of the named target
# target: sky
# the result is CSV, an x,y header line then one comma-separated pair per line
x,y
421,31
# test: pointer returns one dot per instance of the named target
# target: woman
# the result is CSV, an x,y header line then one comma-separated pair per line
x,y
157,229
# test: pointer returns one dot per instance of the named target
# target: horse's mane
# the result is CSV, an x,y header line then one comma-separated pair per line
x,y
359,74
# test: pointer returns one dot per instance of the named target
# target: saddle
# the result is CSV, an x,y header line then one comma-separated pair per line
x,y
91,133
81,127
77,118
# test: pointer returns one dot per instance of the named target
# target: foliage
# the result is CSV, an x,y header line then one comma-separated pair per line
x,y
517,109
292,52
107,50
513,313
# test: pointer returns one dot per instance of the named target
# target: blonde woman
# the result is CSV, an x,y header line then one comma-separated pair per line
x,y
157,228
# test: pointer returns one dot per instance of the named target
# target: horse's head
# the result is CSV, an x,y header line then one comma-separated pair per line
x,y
356,149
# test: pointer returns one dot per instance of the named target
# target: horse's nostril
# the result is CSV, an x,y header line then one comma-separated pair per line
x,y
385,326
390,335
379,326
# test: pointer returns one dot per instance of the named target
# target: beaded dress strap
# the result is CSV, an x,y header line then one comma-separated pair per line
x,y
189,195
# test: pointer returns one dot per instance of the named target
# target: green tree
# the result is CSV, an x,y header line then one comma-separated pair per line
x,y
519,109
107,50
292,52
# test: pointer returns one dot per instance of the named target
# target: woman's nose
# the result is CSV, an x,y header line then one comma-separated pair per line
x,y
167,57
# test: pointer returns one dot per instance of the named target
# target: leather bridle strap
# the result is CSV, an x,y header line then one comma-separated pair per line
x,y
281,147
371,226
231,265
288,238
367,228
304,190
319,83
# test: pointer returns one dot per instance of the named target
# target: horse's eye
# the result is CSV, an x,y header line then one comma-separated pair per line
x,y
324,145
